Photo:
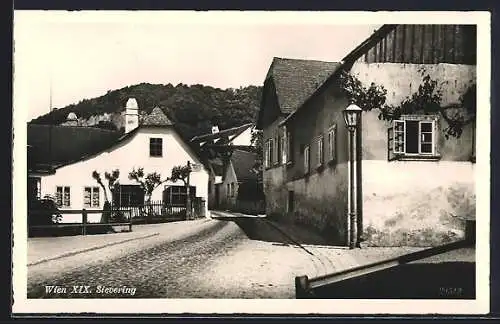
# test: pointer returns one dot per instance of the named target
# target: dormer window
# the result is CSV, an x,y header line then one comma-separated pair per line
x,y
156,147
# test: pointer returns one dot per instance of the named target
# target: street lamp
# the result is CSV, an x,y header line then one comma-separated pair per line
x,y
352,118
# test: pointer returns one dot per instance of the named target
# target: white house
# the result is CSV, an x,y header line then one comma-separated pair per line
x,y
153,145
217,147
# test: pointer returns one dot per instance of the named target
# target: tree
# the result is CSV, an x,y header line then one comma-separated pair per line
x,y
112,179
148,183
98,178
257,141
182,173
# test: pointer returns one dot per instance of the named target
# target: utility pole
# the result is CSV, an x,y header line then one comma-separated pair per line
x,y
188,191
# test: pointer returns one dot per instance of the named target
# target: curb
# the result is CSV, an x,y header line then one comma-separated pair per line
x,y
93,248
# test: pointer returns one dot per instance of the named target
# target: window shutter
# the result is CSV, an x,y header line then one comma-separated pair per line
x,y
390,144
435,136
399,136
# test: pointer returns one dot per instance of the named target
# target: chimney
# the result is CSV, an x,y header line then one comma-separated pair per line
x,y
71,120
131,115
215,129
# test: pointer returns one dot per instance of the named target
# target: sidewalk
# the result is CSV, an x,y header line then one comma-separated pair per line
x,y
327,259
44,249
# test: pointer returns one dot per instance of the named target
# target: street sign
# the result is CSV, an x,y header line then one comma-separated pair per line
x,y
195,167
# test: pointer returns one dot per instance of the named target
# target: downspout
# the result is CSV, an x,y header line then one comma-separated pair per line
x,y
359,181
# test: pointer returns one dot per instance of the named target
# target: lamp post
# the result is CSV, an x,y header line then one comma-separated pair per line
x,y
352,118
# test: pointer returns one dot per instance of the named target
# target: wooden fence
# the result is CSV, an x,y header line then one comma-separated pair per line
x,y
157,211
148,213
83,225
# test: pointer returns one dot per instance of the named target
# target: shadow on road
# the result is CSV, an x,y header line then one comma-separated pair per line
x,y
257,228
445,280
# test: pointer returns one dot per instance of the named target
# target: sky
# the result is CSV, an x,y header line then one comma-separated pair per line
x,y
83,55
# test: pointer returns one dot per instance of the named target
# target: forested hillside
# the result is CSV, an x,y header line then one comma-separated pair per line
x,y
193,108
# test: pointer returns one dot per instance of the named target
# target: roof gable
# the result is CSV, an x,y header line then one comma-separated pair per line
x,y
296,80
156,118
243,163
225,135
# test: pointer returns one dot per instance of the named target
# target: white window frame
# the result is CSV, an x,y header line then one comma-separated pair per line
x,y
271,152
332,145
268,153
307,160
284,154
421,137
320,157
63,203
93,190
289,153
421,120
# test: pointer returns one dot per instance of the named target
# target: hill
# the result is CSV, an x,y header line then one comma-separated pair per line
x,y
193,108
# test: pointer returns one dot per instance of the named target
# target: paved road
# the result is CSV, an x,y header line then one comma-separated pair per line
x,y
155,269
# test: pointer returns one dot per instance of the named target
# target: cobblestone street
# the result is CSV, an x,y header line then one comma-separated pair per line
x,y
233,257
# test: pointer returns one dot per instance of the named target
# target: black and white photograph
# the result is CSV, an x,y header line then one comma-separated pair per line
x,y
229,162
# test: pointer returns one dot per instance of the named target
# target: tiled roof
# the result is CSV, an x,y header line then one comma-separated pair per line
x,y
243,163
156,118
223,134
296,80
51,146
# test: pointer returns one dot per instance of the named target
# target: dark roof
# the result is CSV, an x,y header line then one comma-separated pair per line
x,y
296,80
54,146
51,146
217,166
156,118
243,163
223,134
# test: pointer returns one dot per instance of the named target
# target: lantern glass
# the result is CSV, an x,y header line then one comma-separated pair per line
x,y
352,115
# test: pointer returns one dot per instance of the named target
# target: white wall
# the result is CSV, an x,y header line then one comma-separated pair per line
x,y
417,198
229,177
129,154
244,138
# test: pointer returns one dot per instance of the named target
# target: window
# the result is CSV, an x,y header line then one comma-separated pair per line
x,y
228,190
275,150
156,147
291,201
268,153
91,197
306,159
177,195
289,148
332,143
128,196
284,148
63,195
319,152
279,151
413,136
232,189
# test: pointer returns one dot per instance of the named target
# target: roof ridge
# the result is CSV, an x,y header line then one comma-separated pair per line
x,y
304,60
